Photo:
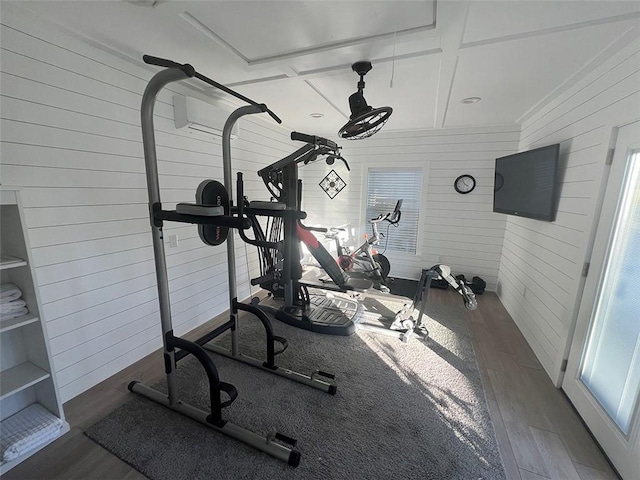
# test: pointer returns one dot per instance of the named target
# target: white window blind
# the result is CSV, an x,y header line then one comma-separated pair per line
x,y
385,186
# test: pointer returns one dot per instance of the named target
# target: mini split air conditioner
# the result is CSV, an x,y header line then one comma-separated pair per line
x,y
197,115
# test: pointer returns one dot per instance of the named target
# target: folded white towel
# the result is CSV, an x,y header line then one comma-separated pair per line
x,y
12,306
9,292
17,313
27,430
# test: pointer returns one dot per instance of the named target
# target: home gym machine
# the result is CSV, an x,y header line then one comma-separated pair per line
x,y
280,268
215,215
281,271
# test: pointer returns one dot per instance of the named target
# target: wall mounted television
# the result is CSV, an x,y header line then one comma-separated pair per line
x,y
526,183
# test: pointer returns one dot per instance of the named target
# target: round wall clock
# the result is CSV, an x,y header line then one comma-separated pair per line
x,y
464,184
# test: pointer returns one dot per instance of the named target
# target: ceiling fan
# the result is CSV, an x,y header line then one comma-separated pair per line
x,y
364,120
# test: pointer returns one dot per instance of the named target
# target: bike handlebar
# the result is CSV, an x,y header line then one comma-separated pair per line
x,y
380,218
392,217
387,216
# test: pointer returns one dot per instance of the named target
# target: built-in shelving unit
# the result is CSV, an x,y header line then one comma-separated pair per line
x,y
28,389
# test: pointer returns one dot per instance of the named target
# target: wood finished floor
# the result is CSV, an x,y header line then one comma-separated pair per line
x,y
539,434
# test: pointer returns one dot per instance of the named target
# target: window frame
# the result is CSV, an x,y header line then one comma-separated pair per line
x,y
398,166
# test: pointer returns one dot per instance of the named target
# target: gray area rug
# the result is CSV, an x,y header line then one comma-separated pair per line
x,y
402,411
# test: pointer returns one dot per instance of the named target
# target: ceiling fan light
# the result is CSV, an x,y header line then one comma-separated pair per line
x,y
364,120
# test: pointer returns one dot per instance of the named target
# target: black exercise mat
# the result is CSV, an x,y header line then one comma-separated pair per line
x,y
403,287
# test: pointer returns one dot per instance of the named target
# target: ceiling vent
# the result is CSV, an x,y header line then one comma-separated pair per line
x,y
189,112
364,120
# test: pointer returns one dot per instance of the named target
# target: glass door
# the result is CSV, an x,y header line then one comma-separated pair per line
x,y
603,372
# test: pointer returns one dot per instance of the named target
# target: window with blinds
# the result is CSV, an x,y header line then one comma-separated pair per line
x,y
385,186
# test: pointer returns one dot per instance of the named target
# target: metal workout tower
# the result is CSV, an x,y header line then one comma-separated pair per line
x,y
214,219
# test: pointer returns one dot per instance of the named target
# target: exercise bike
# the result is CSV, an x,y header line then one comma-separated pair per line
x,y
365,258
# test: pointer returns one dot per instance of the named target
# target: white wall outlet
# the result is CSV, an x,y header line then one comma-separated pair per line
x,y
173,241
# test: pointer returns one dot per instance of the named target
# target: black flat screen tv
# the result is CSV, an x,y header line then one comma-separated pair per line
x,y
526,183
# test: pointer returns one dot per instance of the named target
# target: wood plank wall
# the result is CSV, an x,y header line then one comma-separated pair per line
x,y
540,279
459,230
71,138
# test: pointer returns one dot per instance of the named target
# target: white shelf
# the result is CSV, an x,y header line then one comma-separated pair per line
x,y
6,325
7,262
20,377
24,340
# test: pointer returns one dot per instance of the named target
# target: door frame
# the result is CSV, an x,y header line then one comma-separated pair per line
x,y
616,445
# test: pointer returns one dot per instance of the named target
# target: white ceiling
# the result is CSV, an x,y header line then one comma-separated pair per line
x,y
296,56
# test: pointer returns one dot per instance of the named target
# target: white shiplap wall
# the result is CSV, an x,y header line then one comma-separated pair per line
x,y
71,137
540,278
459,230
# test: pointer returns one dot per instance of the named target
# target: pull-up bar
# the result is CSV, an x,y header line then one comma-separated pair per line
x,y
191,72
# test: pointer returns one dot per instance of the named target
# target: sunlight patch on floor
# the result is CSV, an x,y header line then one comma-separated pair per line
x,y
422,364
